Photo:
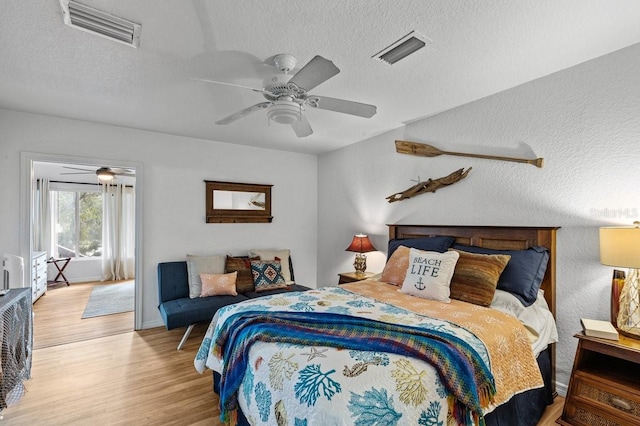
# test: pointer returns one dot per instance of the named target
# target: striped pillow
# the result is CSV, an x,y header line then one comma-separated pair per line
x,y
244,282
476,277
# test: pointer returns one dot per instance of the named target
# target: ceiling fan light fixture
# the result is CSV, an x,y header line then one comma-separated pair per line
x,y
105,175
402,48
284,112
285,62
95,21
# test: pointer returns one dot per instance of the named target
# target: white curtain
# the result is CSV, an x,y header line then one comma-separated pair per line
x,y
118,232
44,237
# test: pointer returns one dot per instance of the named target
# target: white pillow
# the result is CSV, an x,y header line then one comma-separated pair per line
x,y
507,303
429,274
282,254
536,318
197,265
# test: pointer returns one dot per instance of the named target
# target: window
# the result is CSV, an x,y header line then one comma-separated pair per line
x,y
77,214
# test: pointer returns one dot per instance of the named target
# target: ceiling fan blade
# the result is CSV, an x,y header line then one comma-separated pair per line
x,y
118,170
243,112
78,173
315,72
77,168
230,84
340,105
302,127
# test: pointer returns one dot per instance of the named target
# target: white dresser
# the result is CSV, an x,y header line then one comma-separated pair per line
x,y
39,275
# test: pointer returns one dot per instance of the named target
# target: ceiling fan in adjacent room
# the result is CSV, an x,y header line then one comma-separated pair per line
x,y
287,95
104,174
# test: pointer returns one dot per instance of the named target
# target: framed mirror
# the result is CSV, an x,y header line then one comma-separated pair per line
x,y
230,202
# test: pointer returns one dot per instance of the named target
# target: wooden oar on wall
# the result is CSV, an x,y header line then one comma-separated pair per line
x,y
424,150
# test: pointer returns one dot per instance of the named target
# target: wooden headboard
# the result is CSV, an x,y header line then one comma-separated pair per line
x,y
501,238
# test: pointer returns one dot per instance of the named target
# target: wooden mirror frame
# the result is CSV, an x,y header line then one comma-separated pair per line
x,y
216,215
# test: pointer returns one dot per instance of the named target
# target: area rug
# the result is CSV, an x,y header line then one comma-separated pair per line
x,y
109,299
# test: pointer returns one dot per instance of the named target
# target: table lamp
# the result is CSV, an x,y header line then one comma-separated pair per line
x,y
360,245
620,246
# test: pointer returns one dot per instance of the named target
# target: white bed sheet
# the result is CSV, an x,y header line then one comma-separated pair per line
x,y
537,318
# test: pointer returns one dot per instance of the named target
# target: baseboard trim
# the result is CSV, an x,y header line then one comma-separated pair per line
x,y
152,324
83,280
561,388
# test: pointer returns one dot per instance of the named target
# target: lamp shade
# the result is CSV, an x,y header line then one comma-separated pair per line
x,y
620,246
361,244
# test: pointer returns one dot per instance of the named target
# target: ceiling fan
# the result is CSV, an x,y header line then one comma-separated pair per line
x,y
287,95
104,174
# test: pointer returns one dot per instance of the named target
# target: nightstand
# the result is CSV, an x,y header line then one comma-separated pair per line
x,y
352,277
604,388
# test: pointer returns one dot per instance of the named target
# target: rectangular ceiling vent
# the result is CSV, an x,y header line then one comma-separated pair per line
x,y
97,22
402,48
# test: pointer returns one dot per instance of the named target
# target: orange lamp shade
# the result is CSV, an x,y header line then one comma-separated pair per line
x,y
361,244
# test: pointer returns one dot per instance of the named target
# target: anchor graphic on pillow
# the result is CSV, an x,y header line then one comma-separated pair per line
x,y
420,285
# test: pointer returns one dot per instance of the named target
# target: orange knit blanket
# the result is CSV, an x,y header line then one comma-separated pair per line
x,y
513,364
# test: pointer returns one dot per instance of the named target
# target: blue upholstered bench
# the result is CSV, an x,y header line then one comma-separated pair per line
x,y
178,310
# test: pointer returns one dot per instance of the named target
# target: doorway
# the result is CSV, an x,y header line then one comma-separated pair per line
x,y
27,206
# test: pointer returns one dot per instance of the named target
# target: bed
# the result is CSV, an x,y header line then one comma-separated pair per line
x,y
365,353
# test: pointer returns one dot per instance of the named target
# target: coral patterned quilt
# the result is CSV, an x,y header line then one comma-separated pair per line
x,y
369,362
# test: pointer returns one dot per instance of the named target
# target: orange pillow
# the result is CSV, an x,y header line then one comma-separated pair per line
x,y
219,284
396,268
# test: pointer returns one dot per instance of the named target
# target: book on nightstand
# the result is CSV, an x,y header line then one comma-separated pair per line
x,y
601,329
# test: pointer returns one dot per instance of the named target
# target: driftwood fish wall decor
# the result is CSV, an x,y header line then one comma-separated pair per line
x,y
424,150
430,185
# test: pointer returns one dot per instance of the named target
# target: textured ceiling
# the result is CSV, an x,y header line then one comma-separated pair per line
x,y
478,48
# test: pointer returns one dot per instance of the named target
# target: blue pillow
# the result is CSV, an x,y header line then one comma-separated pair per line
x,y
523,274
439,244
267,275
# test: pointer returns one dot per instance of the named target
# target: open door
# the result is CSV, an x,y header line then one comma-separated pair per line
x,y
29,204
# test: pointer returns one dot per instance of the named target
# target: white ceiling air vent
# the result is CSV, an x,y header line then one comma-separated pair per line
x,y
97,22
402,48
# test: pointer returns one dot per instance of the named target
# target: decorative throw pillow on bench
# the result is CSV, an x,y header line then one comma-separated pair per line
x,y
282,254
267,275
246,277
241,265
197,265
219,284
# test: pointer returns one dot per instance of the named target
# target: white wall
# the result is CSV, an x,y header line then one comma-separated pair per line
x,y
79,270
584,121
174,191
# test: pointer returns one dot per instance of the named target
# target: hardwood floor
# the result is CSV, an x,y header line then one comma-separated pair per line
x,y
58,317
127,378
552,413
134,378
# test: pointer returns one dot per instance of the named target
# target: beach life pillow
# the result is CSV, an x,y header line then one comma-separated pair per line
x,y
267,275
219,284
282,254
429,274
476,277
523,274
197,265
